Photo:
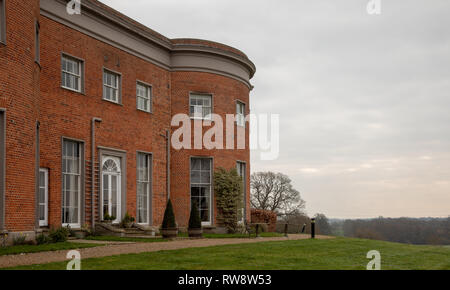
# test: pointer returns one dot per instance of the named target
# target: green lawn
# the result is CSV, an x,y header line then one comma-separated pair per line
x,y
182,235
339,253
14,250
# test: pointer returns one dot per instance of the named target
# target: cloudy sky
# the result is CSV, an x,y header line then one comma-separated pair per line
x,y
364,100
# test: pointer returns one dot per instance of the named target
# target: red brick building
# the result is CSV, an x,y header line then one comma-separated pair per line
x,y
86,103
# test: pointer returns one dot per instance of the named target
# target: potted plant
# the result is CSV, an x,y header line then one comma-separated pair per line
x,y
127,221
195,224
108,219
169,228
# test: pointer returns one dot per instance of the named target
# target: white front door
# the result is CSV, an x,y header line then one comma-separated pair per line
x,y
111,185
43,197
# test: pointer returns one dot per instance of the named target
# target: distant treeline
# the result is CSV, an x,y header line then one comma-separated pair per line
x,y
430,231
419,231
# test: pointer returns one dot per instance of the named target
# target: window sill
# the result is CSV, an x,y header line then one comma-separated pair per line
x,y
75,227
112,102
201,119
73,91
143,111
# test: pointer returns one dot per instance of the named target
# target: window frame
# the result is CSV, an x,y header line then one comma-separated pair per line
x,y
118,82
80,69
240,115
149,157
192,95
244,190
119,185
150,96
3,22
81,187
44,223
211,186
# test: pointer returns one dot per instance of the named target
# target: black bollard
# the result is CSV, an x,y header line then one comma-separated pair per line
x,y
286,230
304,228
313,228
257,230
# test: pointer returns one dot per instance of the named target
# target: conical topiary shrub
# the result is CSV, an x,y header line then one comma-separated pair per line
x,y
169,226
194,220
195,223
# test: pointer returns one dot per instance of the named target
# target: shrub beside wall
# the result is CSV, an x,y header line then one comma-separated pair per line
x,y
228,190
265,216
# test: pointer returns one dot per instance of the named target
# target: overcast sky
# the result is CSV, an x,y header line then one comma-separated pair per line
x,y
364,100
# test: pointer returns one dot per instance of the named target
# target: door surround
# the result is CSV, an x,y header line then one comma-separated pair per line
x,y
114,173
122,156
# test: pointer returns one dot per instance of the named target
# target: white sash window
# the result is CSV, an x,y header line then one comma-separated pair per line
x,y
200,106
143,188
111,86
201,189
71,199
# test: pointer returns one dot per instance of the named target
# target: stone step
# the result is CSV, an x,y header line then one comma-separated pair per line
x,y
134,232
108,229
140,235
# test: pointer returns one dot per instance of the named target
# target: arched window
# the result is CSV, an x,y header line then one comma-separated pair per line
x,y
111,166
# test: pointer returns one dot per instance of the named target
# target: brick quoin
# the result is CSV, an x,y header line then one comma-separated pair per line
x,y
32,92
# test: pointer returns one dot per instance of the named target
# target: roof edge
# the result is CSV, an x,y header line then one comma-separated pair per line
x,y
161,51
155,37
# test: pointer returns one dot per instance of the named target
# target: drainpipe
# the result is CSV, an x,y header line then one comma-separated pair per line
x,y
94,120
167,137
168,164
37,167
2,170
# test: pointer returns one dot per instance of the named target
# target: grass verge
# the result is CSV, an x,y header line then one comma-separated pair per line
x,y
15,250
333,254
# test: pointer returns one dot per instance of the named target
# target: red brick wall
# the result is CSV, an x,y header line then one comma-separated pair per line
x,y
69,114
225,92
19,95
31,93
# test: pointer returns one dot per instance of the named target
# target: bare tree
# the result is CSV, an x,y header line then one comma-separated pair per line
x,y
274,192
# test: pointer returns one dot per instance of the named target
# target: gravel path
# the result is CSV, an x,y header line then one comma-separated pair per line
x,y
133,248
100,242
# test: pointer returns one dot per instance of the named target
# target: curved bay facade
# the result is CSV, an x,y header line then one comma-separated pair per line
x,y
85,116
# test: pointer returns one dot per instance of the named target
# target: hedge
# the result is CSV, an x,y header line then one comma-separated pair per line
x,y
264,216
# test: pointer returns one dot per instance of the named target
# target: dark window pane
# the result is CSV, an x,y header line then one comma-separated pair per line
x,y
195,191
196,164
195,177
204,215
206,164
